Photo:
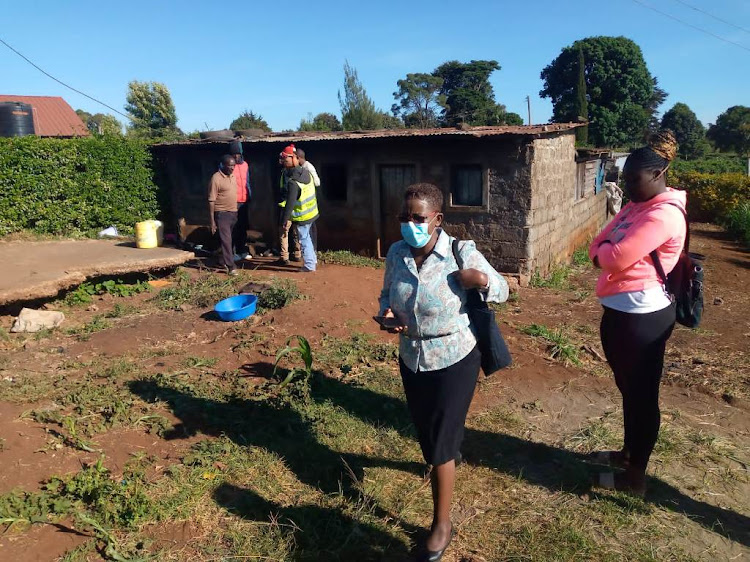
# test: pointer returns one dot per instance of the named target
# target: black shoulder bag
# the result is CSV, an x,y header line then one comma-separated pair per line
x,y
492,346
684,283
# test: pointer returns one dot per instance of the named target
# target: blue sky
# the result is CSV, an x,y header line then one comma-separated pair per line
x,y
284,59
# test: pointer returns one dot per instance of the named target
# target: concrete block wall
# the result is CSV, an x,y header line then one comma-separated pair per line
x,y
557,224
499,230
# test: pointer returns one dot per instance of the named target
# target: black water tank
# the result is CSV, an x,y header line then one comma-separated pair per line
x,y
16,119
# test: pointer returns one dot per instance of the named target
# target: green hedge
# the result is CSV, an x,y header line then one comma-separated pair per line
x,y
711,197
712,164
75,186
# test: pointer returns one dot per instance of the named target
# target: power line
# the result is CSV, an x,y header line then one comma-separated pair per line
x,y
713,16
63,83
719,37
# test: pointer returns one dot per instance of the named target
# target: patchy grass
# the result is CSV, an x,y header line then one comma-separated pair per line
x,y
193,362
559,275
556,279
725,373
85,291
202,292
96,324
356,351
328,467
122,310
581,257
559,346
93,404
343,257
93,498
279,294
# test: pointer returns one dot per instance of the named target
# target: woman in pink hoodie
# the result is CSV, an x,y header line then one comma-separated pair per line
x,y
638,312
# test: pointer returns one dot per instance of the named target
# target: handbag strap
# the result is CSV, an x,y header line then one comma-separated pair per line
x,y
685,249
457,254
658,267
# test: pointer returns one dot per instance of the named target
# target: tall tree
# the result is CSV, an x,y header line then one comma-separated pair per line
x,y
358,111
100,123
249,120
419,100
388,121
321,122
731,132
469,96
150,106
688,130
512,118
582,103
622,94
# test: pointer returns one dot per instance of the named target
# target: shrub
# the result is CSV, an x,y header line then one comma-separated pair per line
x,y
74,186
712,164
711,197
737,222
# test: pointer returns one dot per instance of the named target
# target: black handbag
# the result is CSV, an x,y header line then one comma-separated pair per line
x,y
492,346
684,283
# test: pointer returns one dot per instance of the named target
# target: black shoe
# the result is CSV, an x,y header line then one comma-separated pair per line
x,y
282,261
435,555
296,259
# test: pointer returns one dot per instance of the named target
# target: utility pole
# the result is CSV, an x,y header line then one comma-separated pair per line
x,y
528,103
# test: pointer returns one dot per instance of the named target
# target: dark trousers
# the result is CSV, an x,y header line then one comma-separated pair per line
x,y
634,345
239,232
225,222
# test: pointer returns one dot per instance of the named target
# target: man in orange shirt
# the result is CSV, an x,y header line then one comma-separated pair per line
x,y
242,176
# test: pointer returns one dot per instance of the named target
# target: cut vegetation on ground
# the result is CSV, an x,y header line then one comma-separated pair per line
x,y
145,430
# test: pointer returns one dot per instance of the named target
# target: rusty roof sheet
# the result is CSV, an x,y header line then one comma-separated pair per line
x,y
53,117
519,130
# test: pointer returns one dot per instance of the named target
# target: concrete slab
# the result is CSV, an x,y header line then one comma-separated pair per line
x,y
33,270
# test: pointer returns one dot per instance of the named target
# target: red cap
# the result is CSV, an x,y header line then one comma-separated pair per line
x,y
288,151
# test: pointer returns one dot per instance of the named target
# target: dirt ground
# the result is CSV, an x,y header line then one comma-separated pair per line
x,y
706,393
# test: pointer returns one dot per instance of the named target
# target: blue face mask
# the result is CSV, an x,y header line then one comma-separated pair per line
x,y
416,235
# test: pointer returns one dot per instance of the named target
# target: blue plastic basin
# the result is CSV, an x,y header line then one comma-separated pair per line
x,y
236,308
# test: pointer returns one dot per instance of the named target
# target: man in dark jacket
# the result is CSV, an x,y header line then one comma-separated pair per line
x,y
301,208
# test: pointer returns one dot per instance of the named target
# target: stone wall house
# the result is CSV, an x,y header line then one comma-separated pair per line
x,y
511,189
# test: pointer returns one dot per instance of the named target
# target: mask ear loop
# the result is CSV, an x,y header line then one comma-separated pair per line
x,y
664,171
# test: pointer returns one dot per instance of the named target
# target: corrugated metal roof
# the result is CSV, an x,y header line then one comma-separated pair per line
x,y
53,117
520,130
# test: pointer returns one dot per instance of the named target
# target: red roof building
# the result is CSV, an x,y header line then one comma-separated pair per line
x,y
53,117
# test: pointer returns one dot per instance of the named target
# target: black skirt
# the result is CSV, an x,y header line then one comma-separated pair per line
x,y
438,402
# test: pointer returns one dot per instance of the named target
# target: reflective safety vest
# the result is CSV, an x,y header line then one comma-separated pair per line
x,y
306,207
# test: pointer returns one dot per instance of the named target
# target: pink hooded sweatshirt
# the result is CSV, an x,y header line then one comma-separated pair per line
x,y
623,247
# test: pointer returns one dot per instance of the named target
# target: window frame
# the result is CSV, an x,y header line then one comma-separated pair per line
x,y
484,171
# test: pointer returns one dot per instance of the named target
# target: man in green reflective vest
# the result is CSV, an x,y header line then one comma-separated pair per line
x,y
290,236
301,207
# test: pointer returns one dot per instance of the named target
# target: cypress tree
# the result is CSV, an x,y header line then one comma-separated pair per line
x,y
582,104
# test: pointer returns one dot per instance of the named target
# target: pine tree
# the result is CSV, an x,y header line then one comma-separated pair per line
x,y
582,104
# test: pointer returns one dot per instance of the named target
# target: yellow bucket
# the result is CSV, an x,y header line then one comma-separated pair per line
x,y
159,232
146,235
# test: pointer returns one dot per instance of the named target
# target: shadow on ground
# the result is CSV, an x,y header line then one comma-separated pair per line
x,y
280,429
536,463
276,427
